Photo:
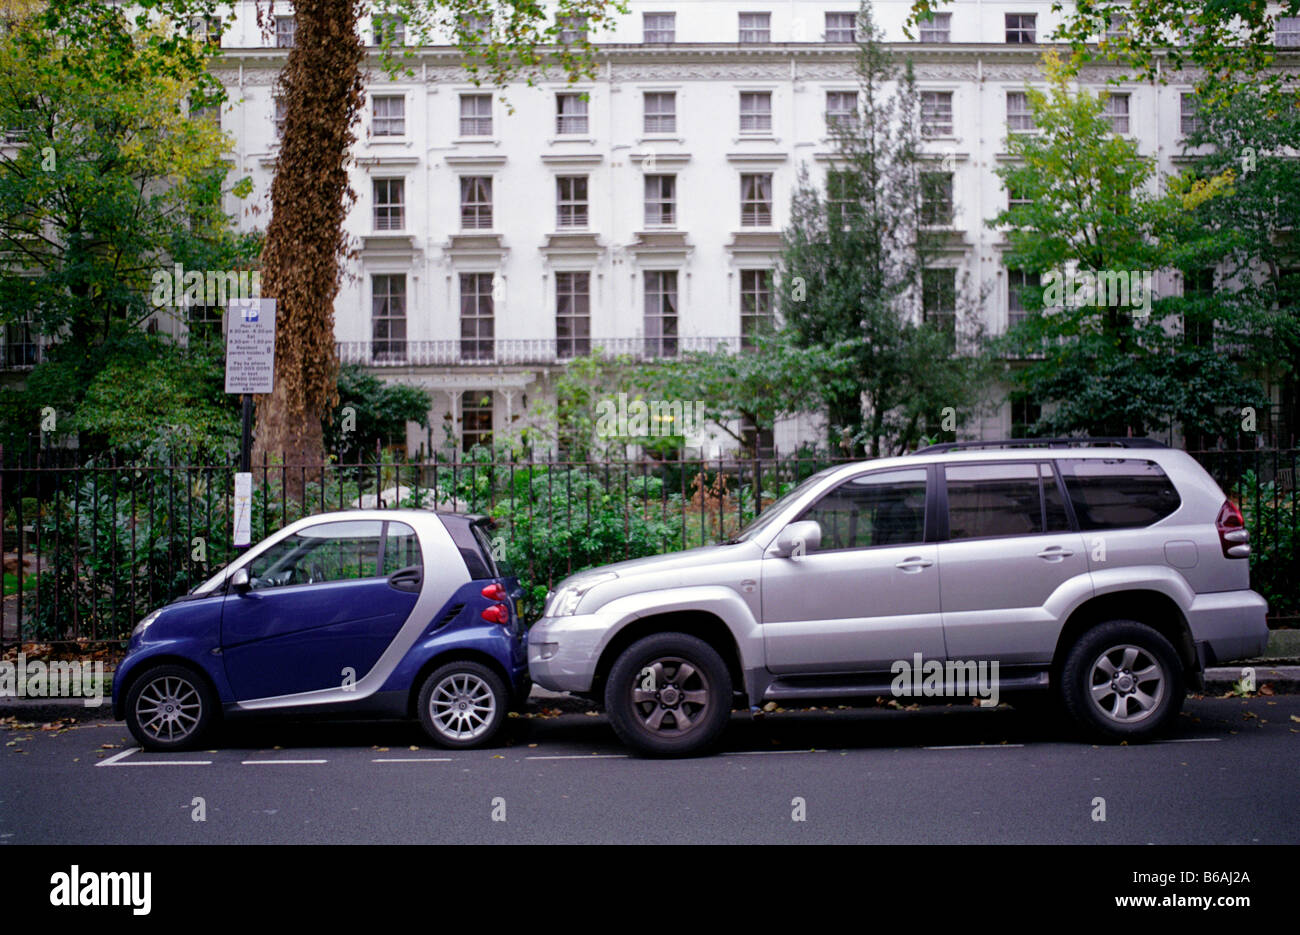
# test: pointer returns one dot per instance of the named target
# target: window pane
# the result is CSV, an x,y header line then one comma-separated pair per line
x,y
401,548
571,113
476,202
659,27
936,113
572,314
1019,116
660,112
477,324
993,500
1119,493
1020,28
325,552
475,115
841,27
389,116
937,29
886,508
476,418
755,27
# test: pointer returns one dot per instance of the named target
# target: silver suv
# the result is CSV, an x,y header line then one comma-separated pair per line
x,y
1110,572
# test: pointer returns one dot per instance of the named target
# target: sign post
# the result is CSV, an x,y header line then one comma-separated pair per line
x,y
250,368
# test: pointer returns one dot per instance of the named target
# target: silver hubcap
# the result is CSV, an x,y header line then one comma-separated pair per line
x,y
462,706
168,708
1127,684
671,696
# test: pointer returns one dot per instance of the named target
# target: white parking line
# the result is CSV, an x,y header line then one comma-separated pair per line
x,y
415,759
117,760
582,756
166,763
767,752
117,756
977,746
279,762
1191,740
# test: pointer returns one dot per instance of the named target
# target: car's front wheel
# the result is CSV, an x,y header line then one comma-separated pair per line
x,y
1122,680
669,695
170,707
463,704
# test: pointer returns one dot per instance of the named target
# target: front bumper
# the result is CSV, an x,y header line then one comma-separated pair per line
x,y
563,651
1228,625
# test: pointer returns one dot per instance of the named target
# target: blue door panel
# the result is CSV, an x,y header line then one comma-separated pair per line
x,y
281,641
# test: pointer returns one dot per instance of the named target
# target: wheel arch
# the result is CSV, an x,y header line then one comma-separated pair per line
x,y
701,624
457,654
1153,608
153,662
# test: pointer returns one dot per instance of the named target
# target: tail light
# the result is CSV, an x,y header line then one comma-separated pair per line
x,y
497,613
494,592
1234,537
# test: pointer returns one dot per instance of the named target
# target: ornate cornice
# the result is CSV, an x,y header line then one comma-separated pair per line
x,y
719,62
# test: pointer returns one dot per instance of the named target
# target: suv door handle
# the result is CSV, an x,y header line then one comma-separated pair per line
x,y
914,564
1054,553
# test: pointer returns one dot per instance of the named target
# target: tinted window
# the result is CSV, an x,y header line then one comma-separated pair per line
x,y
1118,493
886,508
401,548
993,500
325,552
473,547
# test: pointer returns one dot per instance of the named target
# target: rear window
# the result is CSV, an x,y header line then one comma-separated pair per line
x,y
1118,493
470,542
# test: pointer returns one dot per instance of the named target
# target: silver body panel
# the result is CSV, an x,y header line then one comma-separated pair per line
x,y
856,611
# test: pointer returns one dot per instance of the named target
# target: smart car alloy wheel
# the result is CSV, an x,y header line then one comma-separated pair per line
x,y
462,704
169,708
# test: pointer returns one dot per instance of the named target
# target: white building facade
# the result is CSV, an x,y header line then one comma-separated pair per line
x,y
640,211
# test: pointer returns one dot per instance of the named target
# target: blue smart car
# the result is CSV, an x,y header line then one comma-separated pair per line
x,y
379,613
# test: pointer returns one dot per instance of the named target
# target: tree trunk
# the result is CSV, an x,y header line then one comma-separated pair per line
x,y
305,240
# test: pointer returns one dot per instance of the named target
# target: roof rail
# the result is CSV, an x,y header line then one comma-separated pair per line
x,y
1098,442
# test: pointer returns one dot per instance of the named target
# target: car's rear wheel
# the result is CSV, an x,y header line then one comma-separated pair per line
x,y
669,695
463,704
170,707
1122,681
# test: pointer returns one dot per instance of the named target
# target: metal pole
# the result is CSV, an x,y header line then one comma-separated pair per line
x,y
246,436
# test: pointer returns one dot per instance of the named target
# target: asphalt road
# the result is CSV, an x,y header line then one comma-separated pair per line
x,y
956,775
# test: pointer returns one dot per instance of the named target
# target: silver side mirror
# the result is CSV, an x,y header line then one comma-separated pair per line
x,y
239,581
798,539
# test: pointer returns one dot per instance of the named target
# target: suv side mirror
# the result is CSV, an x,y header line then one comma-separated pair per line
x,y
239,581
798,539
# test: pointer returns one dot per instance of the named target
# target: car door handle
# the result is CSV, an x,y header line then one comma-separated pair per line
x,y
407,579
1055,553
914,564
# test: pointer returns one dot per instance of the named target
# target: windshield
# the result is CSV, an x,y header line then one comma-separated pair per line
x,y
773,509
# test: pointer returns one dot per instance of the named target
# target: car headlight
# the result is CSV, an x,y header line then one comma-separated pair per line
x,y
566,600
145,623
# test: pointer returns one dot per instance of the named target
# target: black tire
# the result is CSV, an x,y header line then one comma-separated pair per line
x,y
170,707
471,705
1146,684
645,714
